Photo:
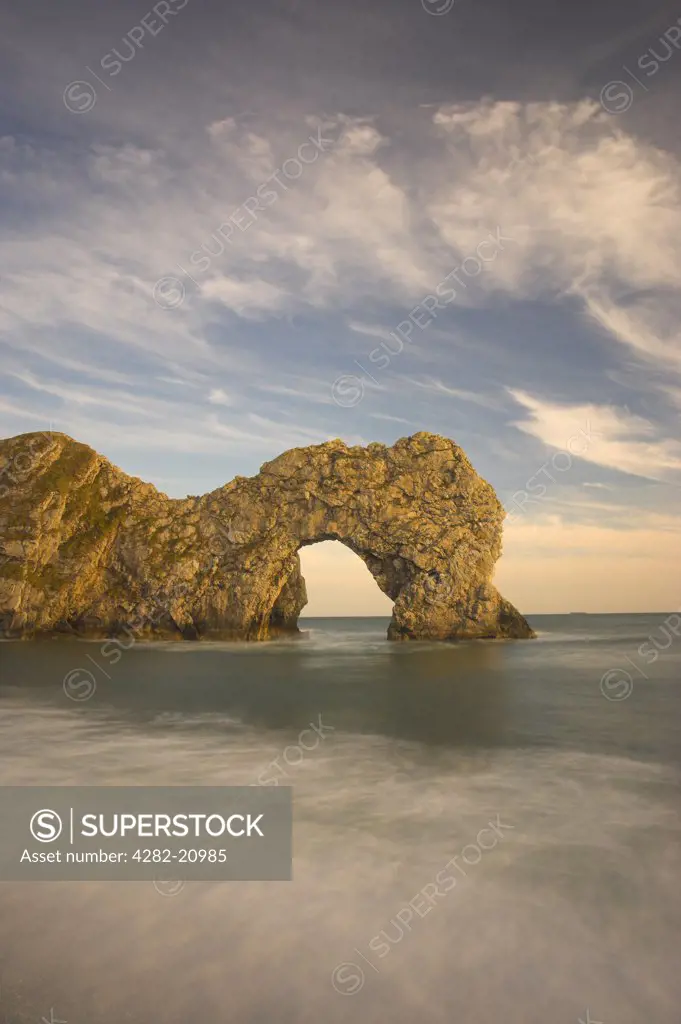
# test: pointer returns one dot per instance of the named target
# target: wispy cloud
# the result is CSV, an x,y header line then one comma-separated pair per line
x,y
622,441
437,387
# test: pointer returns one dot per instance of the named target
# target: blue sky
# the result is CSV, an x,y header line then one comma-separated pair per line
x,y
319,170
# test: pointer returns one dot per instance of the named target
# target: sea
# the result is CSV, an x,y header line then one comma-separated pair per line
x,y
486,831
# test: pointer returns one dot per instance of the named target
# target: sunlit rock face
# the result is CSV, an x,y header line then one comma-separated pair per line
x,y
87,550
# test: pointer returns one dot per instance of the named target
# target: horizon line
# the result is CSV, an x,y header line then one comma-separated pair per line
x,y
651,611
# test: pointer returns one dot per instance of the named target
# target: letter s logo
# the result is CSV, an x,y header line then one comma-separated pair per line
x,y
46,826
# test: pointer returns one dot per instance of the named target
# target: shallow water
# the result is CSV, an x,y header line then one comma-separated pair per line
x,y
569,744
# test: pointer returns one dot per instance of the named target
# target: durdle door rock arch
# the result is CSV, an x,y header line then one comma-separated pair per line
x,y
87,550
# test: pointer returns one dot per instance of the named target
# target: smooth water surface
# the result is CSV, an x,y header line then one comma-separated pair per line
x,y
571,742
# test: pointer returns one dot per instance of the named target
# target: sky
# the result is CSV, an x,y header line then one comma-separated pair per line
x,y
231,228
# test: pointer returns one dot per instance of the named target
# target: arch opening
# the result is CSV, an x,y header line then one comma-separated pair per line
x,y
339,583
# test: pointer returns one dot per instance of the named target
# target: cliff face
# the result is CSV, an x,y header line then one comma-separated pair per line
x,y
87,550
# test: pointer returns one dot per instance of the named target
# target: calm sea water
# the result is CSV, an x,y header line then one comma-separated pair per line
x,y
571,742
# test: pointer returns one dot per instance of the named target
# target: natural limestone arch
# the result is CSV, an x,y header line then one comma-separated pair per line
x,y
92,551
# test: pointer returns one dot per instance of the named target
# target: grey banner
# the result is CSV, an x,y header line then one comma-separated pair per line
x,y
156,833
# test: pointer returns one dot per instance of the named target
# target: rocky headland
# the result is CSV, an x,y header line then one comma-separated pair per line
x,y
87,550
